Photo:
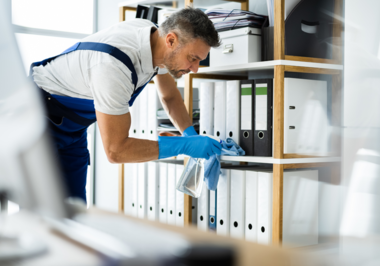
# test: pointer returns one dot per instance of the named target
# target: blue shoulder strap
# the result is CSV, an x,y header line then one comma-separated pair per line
x,y
99,47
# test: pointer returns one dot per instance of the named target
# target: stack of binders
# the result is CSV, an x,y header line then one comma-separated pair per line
x,y
240,110
244,205
151,192
256,117
144,114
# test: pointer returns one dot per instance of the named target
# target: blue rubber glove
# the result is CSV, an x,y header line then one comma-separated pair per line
x,y
190,131
193,146
212,165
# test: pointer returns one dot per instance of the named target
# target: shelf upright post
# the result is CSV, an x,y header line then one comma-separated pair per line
x,y
278,122
188,100
245,5
121,188
277,208
279,29
189,3
122,10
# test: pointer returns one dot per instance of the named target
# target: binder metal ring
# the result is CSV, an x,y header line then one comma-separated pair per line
x,y
260,135
212,220
230,134
246,134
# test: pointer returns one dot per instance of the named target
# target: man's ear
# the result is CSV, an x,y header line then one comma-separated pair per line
x,y
171,40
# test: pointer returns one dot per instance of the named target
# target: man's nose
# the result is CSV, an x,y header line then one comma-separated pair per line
x,y
194,67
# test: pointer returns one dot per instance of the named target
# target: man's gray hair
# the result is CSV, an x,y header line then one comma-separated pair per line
x,y
189,24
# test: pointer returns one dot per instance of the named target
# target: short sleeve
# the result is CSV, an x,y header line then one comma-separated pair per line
x,y
111,87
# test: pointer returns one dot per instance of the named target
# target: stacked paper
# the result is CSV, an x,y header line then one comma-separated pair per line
x,y
226,19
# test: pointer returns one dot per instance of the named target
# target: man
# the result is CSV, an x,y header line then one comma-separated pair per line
x,y
99,79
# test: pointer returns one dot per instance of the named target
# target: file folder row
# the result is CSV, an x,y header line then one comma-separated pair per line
x,y
144,114
241,207
150,192
228,111
243,111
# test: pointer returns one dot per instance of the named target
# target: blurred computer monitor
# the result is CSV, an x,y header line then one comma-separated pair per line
x,y
28,165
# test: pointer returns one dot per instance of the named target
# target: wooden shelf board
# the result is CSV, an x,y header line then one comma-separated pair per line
x,y
134,3
271,160
243,69
167,129
204,4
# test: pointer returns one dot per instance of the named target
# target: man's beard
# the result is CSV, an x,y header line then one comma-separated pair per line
x,y
170,66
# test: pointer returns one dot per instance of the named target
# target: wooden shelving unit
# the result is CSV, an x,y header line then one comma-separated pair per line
x,y
282,63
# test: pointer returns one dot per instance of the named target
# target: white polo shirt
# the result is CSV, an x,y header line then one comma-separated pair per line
x,y
99,76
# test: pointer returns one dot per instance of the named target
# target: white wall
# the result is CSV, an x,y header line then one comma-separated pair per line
x,y
108,13
106,174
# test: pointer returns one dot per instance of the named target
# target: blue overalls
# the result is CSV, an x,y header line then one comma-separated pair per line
x,y
69,118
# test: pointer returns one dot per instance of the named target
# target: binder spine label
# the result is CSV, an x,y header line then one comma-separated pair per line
x,y
261,106
246,107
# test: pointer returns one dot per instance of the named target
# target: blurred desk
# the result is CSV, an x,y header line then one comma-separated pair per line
x,y
63,251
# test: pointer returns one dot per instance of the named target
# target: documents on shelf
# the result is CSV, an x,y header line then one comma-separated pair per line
x,y
171,194
153,190
233,110
213,211
180,198
263,116
203,209
206,98
306,122
142,195
237,212
247,116
220,110
223,203
163,192
153,105
251,203
226,19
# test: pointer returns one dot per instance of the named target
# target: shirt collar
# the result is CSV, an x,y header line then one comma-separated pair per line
x,y
146,51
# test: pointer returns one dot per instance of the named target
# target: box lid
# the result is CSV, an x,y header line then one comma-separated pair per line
x,y
239,32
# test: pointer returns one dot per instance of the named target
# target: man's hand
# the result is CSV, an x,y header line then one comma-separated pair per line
x,y
119,147
193,146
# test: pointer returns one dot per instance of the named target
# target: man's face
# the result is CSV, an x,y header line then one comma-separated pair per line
x,y
183,59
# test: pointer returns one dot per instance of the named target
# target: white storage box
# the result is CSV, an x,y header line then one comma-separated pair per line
x,y
239,46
